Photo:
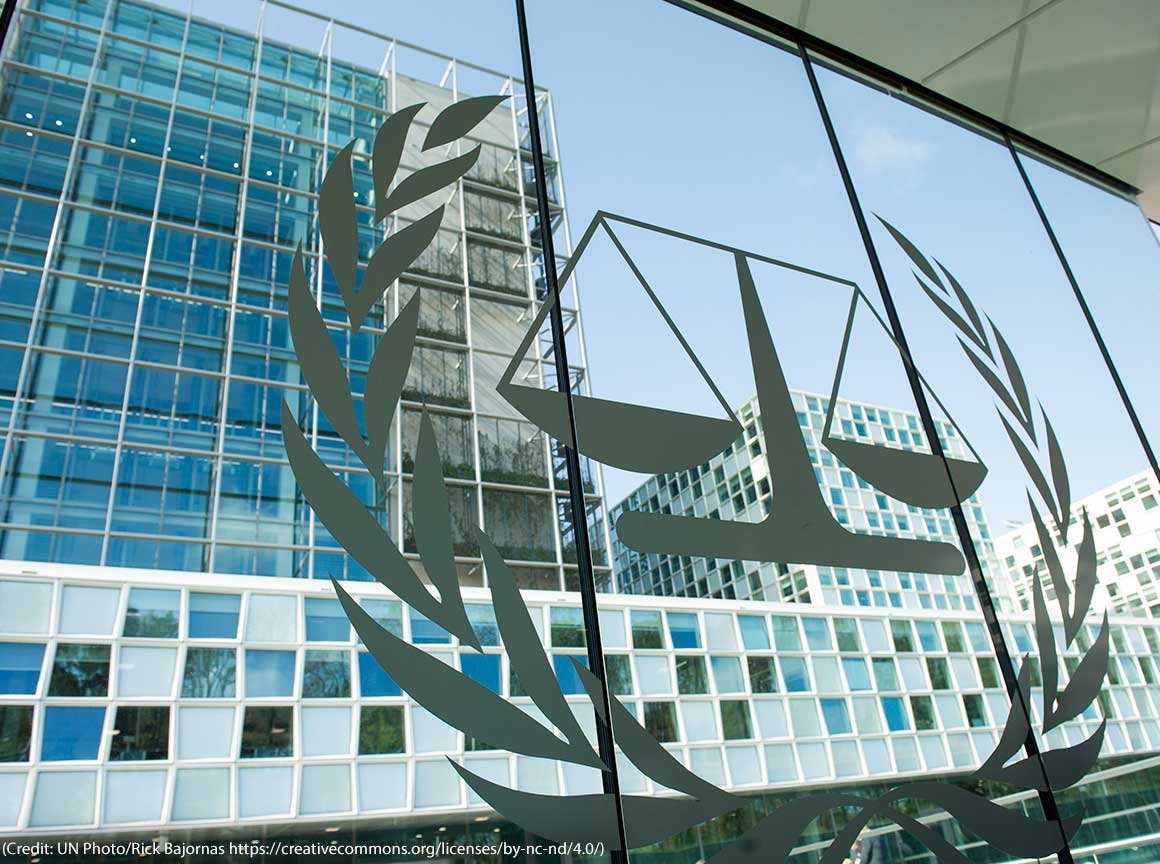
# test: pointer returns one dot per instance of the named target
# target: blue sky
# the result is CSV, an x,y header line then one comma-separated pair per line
x,y
667,118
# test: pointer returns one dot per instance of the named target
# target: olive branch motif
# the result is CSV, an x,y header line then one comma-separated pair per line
x,y
486,716
1064,766
446,692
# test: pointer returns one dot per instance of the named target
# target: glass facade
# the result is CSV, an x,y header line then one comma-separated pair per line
x,y
851,393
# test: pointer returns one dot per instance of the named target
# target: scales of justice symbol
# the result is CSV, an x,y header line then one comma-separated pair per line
x,y
799,527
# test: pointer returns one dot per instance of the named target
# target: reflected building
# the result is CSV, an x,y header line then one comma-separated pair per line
x,y
736,485
1125,520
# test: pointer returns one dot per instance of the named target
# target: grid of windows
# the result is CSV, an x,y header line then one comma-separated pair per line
x,y
162,170
749,697
735,485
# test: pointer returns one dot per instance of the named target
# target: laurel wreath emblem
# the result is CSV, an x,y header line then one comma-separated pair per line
x,y
485,715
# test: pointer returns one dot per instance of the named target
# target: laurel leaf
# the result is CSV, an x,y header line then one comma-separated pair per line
x,y
991,378
430,179
969,308
1045,642
1015,376
321,366
388,262
1032,469
912,252
1054,568
450,695
339,225
1015,729
1085,683
386,376
950,314
457,119
1058,477
1085,581
1064,766
360,534
526,654
388,153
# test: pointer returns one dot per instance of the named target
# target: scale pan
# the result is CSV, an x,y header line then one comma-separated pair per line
x,y
919,479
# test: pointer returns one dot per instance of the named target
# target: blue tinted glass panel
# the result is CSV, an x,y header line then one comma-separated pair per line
x,y
373,680
727,674
213,616
424,631
754,636
482,668
857,675
566,673
20,665
684,630
895,713
72,733
325,621
793,670
817,633
837,717
152,612
482,618
927,635
269,673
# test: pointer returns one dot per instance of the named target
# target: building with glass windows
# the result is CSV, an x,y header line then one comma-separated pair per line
x,y
736,485
174,666
1125,523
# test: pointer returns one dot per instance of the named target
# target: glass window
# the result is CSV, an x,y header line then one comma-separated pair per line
x,y
797,678
903,636
424,631
837,716
847,633
719,629
976,713
754,635
567,627
152,612
388,614
660,720
684,630
80,670
145,670
988,671
25,606
885,673
612,633
272,618
325,730
139,732
826,676
213,616
786,635
875,632
940,675
691,674
619,672
326,675
267,732
857,676
483,669
15,732
373,681
927,635
735,723
980,643
953,634
20,665
205,732
866,715
895,713
269,673
923,712
88,610
817,633
482,618
71,732
727,674
381,729
566,674
326,621
646,629
700,721
209,673
762,674
804,714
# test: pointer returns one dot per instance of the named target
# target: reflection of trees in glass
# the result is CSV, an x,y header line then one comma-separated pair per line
x,y
380,729
496,166
440,259
140,733
440,311
691,674
596,547
463,516
497,268
152,613
15,732
619,674
326,675
80,670
209,673
560,468
735,720
452,434
660,719
491,214
438,375
519,525
511,451
267,732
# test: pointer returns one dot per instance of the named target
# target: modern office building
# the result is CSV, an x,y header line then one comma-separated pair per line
x,y
174,667
1125,520
736,485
